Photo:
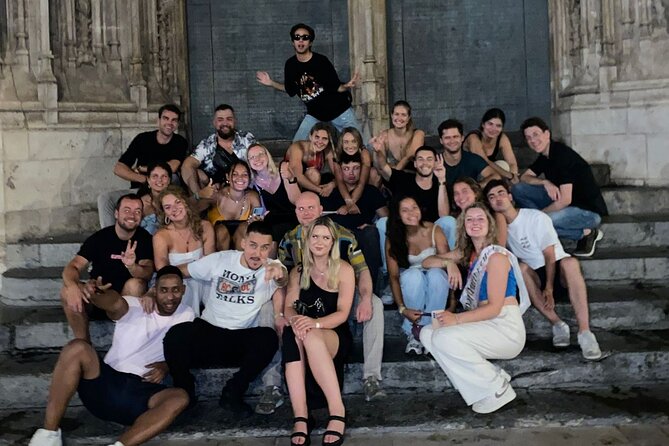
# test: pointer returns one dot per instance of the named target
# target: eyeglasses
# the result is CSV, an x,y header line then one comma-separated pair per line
x,y
303,37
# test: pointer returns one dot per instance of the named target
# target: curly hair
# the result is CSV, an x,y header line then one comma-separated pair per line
x,y
464,243
397,232
474,186
308,259
194,221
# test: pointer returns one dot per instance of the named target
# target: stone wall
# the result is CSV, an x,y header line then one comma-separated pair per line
x,y
611,84
78,80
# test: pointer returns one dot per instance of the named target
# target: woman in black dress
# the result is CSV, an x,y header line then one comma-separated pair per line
x,y
318,302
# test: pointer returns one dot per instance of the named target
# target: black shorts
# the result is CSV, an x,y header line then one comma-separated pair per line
x,y
117,396
559,291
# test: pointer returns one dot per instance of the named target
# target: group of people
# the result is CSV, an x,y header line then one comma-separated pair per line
x,y
221,257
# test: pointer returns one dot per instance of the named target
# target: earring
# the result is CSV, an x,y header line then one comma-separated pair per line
x,y
167,220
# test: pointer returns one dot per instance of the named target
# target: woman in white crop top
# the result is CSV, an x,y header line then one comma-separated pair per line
x,y
182,238
417,290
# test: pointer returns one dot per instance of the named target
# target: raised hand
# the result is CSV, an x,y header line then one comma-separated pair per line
x,y
439,169
354,81
209,190
286,171
264,78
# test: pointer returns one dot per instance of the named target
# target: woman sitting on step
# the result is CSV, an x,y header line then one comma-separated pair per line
x,y
318,340
418,288
182,238
158,177
492,325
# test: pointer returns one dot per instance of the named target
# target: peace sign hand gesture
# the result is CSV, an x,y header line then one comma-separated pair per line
x,y
128,257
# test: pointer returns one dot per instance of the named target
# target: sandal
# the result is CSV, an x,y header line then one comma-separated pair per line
x,y
298,434
340,435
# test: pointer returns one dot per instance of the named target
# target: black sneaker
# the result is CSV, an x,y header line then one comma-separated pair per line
x,y
586,246
234,405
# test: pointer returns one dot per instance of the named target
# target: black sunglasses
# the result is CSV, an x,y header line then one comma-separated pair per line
x,y
303,37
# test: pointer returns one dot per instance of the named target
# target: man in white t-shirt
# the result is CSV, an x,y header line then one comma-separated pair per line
x,y
227,333
545,264
127,383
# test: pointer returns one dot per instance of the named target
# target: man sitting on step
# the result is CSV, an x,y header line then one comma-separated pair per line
x,y
568,193
532,238
125,387
367,307
121,254
227,333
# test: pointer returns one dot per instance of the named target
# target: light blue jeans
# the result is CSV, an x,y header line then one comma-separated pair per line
x,y
346,119
447,224
569,222
425,290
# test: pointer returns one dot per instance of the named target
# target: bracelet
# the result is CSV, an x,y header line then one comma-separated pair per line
x,y
444,264
442,183
277,316
318,324
401,309
292,180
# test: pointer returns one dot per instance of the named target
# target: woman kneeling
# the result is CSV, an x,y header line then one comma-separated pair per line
x,y
492,325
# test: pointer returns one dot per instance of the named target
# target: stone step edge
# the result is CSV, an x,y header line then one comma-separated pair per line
x,y
392,415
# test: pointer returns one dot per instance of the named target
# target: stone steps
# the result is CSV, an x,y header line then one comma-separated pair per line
x,y
24,380
41,285
41,328
417,418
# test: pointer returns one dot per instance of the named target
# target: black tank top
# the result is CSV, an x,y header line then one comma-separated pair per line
x,y
495,151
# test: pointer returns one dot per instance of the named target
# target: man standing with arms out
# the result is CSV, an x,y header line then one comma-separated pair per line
x,y
368,307
126,386
568,194
211,160
121,254
146,148
532,238
312,76
460,163
227,332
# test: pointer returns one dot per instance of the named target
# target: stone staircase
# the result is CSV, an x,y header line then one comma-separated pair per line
x,y
629,295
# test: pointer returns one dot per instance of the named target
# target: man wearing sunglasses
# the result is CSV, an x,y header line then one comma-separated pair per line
x,y
312,76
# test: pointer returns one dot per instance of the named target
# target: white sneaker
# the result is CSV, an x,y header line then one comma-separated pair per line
x,y
118,443
495,401
589,345
561,334
387,296
413,346
44,437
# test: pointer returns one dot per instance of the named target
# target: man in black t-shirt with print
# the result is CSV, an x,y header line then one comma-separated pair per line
x,y
568,192
145,149
312,76
121,255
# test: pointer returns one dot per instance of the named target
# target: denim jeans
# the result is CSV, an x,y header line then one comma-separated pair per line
x,y
568,222
447,224
346,119
425,290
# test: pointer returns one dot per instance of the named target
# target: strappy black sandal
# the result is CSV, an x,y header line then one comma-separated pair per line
x,y
305,435
340,435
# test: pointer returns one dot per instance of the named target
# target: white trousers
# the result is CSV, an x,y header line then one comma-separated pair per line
x,y
462,351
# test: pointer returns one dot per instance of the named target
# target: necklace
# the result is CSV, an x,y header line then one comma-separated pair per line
x,y
185,239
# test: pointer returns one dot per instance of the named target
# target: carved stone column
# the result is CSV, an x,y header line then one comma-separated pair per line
x,y
21,55
47,89
138,90
369,56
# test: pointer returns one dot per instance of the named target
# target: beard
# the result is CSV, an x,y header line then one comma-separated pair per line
x,y
125,227
223,134
424,175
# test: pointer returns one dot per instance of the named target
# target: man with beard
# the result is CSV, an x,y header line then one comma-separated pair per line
x,y
210,162
227,333
126,386
460,163
145,149
312,76
121,255
427,185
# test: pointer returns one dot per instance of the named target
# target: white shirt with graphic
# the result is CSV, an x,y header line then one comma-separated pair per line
x,y
236,292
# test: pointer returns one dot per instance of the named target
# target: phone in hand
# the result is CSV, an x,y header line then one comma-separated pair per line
x,y
258,212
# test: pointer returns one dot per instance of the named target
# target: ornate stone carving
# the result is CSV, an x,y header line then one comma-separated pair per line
x,y
84,33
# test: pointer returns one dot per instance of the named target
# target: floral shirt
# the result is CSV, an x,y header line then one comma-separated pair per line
x,y
217,166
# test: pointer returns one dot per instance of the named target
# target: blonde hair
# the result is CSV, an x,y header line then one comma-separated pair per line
x,y
308,259
464,242
271,166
